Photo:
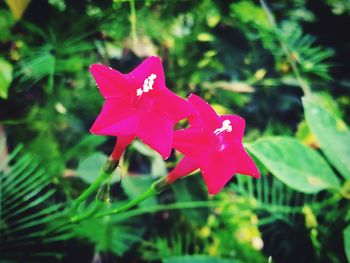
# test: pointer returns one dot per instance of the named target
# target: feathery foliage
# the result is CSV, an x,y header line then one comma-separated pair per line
x,y
27,208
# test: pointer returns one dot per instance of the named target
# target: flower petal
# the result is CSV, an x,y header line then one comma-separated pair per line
x,y
192,142
184,167
217,170
110,82
156,130
206,117
149,66
122,142
244,164
117,117
174,106
238,125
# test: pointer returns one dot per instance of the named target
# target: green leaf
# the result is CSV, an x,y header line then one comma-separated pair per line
x,y
346,235
295,164
89,168
27,211
136,185
158,166
331,133
5,77
6,22
250,13
86,146
198,259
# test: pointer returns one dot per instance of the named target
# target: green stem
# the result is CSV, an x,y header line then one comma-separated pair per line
x,y
133,20
302,82
105,173
174,206
134,202
334,199
156,188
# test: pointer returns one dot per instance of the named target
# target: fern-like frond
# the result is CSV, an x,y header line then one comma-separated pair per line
x,y
280,210
310,57
26,209
62,51
274,200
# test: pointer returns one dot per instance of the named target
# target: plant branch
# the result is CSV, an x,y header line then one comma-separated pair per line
x,y
302,82
105,173
133,20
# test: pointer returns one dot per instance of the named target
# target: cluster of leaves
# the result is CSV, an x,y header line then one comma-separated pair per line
x,y
245,57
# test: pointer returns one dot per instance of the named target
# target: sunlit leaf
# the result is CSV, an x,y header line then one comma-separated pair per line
x,y
332,135
158,167
6,22
136,185
295,164
18,7
90,167
5,77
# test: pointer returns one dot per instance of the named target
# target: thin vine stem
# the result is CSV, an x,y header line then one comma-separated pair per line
x,y
133,20
106,172
289,54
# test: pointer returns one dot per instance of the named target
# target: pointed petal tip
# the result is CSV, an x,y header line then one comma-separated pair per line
x,y
254,171
193,96
256,175
165,154
152,59
166,157
98,68
214,191
155,58
93,130
94,67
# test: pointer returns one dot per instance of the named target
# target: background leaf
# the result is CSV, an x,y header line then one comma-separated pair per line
x,y
5,77
295,164
27,210
158,167
18,7
136,185
89,168
332,135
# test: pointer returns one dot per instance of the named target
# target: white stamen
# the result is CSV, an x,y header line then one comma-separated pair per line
x,y
139,92
147,85
226,126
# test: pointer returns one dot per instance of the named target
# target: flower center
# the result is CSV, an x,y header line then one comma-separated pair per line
x,y
147,85
226,126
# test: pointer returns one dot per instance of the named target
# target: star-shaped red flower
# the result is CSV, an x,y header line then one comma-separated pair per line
x,y
138,104
213,143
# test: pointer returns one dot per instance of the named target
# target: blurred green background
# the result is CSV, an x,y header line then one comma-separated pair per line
x,y
281,65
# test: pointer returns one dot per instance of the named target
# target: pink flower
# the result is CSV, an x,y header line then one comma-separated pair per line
x,y
138,104
214,144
